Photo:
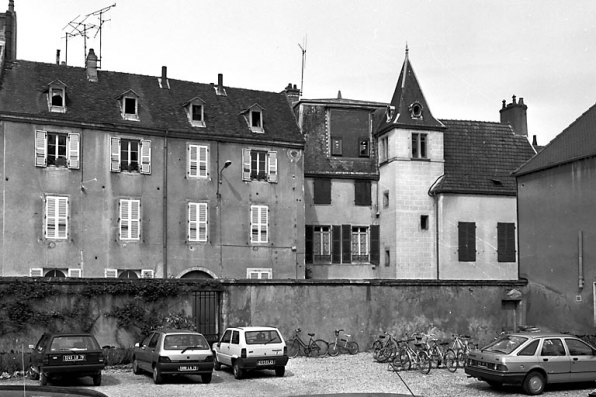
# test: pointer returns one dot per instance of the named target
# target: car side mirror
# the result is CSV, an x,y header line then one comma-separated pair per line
x,y
218,344
31,346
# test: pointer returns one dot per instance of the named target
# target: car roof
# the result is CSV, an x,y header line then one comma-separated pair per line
x,y
68,334
542,335
255,328
177,331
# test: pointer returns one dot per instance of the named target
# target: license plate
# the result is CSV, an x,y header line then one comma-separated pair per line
x,y
74,357
266,362
187,368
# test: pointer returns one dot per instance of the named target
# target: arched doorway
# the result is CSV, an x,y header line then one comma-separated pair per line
x,y
197,274
55,273
128,274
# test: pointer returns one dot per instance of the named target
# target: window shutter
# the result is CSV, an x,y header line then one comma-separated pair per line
x,y
115,155
202,221
322,188
40,148
264,224
192,221
336,247
193,161
145,156
203,157
135,230
246,164
56,222
505,242
308,244
73,151
111,273
124,219
467,241
36,272
346,246
130,221
147,273
75,273
272,174
375,245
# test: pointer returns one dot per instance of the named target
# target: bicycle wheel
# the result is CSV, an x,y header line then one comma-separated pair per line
x,y
352,347
333,349
384,355
450,360
461,358
423,362
436,356
294,348
405,361
323,347
377,345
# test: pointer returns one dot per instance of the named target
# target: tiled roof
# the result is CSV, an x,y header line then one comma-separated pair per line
x,y
480,157
23,93
575,142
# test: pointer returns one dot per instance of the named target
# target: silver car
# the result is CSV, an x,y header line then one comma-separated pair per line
x,y
533,360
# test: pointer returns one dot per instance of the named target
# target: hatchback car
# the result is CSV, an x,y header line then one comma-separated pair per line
x,y
249,348
533,360
66,355
173,352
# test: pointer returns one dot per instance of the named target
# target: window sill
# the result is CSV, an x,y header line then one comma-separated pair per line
x,y
419,159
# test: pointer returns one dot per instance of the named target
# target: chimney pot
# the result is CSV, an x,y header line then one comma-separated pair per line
x,y
339,94
91,64
521,101
513,102
534,141
58,57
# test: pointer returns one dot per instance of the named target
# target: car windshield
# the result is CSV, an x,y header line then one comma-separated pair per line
x,y
185,341
69,343
505,344
262,336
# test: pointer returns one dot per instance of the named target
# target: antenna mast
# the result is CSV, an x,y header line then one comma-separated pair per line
x,y
303,48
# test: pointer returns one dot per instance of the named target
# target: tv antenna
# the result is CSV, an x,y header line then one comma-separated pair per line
x,y
82,27
303,48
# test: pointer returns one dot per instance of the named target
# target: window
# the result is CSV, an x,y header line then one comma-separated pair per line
x,y
259,273
424,222
552,348
419,146
386,198
259,165
57,149
130,155
529,350
322,190
130,219
75,273
384,149
467,241
362,193
56,218
147,273
578,348
57,99
322,243
336,146
254,118
349,132
197,222
360,244
259,224
415,110
130,109
506,242
342,244
364,147
197,161
195,111
387,258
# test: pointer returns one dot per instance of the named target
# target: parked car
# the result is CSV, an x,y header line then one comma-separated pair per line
x,y
173,352
250,348
533,360
66,355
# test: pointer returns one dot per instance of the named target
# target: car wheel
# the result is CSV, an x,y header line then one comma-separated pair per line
x,y
33,375
237,370
216,364
97,379
157,378
280,371
534,383
43,379
135,367
206,378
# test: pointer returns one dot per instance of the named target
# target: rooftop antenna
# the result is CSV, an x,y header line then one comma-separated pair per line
x,y
303,48
101,22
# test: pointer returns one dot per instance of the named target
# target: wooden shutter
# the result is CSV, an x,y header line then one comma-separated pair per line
x,y
115,154
336,245
467,241
73,151
246,164
193,161
41,148
145,156
259,223
308,244
56,224
272,173
192,221
203,161
506,242
111,273
75,273
322,188
375,245
130,219
202,222
346,243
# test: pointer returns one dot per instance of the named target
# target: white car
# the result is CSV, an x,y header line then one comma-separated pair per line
x,y
250,348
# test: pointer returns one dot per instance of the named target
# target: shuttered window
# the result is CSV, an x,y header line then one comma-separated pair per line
x,y
57,149
259,224
322,191
130,219
506,242
130,155
259,273
197,222
259,165
362,193
466,241
56,218
197,161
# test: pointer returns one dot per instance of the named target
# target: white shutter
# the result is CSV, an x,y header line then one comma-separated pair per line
x,y
264,224
115,155
130,213
259,218
246,164
41,148
36,272
272,172
147,273
193,161
75,273
56,217
202,222
192,221
73,151
145,156
259,273
203,157
111,273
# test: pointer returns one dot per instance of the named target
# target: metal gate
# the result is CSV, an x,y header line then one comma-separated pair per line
x,y
205,311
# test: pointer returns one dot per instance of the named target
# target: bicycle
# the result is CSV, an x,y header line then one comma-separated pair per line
x,y
314,348
388,348
439,355
461,347
340,344
409,356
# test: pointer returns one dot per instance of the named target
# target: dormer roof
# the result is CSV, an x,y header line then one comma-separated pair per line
x,y
408,107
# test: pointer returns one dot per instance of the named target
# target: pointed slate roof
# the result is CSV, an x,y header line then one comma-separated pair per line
x,y
403,110
480,157
576,142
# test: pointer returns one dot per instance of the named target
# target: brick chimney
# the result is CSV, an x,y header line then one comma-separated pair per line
x,y
8,31
292,93
220,90
163,80
515,114
91,64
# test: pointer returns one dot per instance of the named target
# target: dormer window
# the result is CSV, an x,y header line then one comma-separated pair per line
x,y
254,117
57,97
195,111
129,105
416,110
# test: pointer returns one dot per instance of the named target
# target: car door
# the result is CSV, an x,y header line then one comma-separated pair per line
x,y
583,360
143,354
223,350
554,360
37,352
235,344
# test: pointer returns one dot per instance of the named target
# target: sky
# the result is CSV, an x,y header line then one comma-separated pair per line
x,y
468,55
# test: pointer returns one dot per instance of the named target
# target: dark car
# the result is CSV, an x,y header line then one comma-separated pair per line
x,y
173,352
533,360
66,355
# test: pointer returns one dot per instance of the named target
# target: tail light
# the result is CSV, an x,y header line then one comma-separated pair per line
x,y
285,350
164,359
100,358
243,353
208,359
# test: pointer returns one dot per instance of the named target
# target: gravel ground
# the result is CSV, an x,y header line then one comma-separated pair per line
x,y
308,376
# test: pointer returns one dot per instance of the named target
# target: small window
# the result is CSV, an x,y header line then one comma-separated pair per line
x,y
197,222
130,155
75,273
415,110
129,103
322,243
259,165
255,120
198,161
259,224
259,273
386,198
130,106
424,222
466,241
529,350
336,146
57,149
147,273
419,146
57,97
254,117
110,273
128,274
384,149
195,111
322,191
363,145
360,244
130,219
56,218
387,258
